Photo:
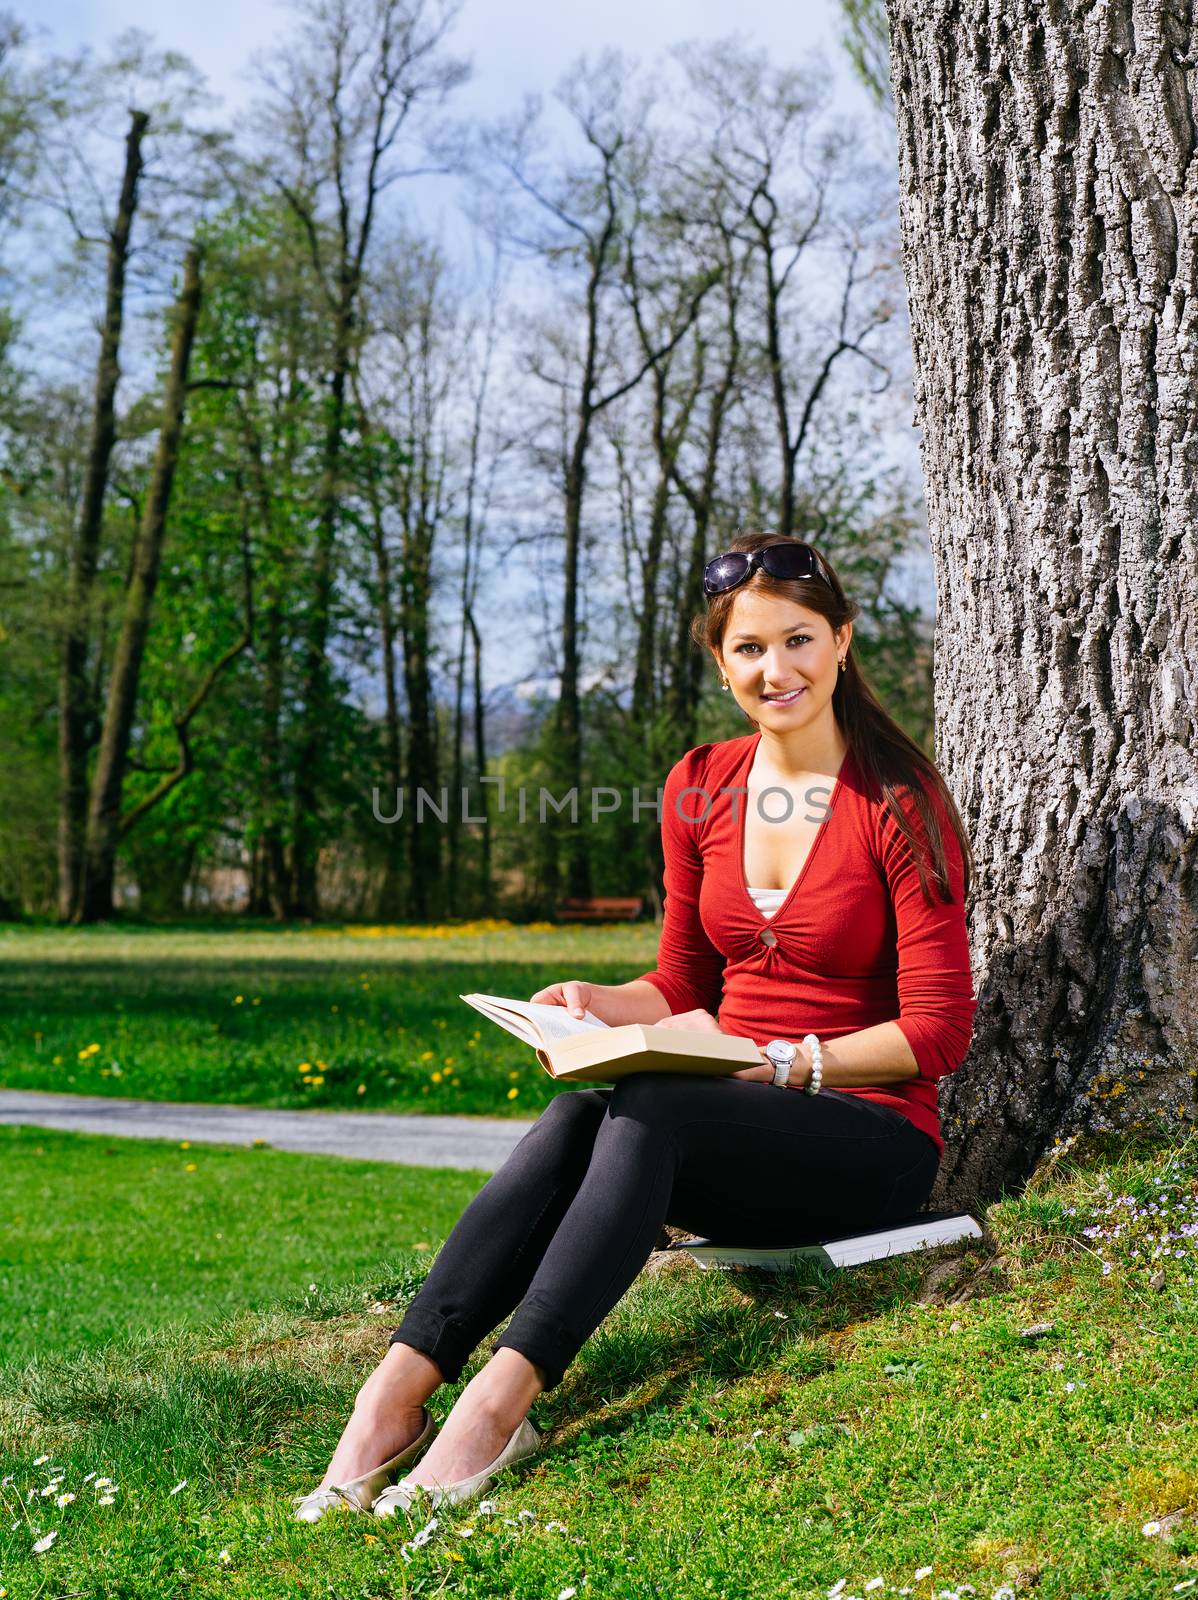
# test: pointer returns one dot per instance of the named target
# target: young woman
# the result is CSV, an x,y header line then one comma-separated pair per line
x,y
815,873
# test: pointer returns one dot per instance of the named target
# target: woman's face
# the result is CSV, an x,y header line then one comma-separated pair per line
x,y
781,660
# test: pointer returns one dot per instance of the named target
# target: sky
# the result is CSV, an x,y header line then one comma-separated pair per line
x,y
516,46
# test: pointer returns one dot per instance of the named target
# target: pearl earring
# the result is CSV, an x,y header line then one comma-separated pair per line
x,y
724,684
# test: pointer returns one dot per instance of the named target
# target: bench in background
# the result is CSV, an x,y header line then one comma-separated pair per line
x,y
615,910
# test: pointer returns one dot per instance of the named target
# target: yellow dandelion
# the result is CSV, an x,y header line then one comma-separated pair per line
x,y
435,1077
184,1144
426,1055
190,1167
317,1079
256,1001
58,1061
513,1074
512,1093
361,1088
304,1066
448,1062
238,999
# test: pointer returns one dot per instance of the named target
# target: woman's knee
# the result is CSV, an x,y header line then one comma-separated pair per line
x,y
652,1097
571,1117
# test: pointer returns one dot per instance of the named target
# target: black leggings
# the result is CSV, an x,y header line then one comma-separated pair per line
x,y
562,1229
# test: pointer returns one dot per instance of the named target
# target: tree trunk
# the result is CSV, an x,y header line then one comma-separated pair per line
x,y
104,815
274,793
424,837
1049,217
567,763
390,898
75,698
486,883
311,762
272,771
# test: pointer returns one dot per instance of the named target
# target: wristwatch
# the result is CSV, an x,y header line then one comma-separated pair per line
x,y
783,1054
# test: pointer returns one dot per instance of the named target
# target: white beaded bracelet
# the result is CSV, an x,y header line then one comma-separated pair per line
x,y
817,1064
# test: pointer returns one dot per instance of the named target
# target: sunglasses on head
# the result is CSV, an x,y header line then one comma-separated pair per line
x,y
791,560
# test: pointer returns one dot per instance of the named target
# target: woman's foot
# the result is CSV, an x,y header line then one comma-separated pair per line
x,y
387,1415
487,1414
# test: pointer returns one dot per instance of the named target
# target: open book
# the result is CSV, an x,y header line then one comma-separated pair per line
x,y
585,1048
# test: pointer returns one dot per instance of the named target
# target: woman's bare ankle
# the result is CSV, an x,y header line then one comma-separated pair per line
x,y
388,1414
488,1411
406,1376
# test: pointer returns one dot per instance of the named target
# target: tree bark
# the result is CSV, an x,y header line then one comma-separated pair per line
x,y
104,813
76,702
1049,218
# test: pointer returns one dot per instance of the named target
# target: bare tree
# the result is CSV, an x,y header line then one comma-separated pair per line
x,y
76,706
1049,200
482,464
790,176
578,223
342,124
105,824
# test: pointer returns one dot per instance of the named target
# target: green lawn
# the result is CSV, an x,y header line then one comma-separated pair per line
x,y
310,1017
720,1435
101,1238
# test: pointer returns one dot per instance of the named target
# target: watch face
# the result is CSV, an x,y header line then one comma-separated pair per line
x,y
781,1050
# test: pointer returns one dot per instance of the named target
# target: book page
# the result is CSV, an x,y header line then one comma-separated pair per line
x,y
536,1024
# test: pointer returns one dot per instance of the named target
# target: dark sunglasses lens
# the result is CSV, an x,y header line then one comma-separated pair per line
x,y
725,571
789,561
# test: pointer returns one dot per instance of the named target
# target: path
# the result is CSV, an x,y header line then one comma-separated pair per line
x,y
481,1143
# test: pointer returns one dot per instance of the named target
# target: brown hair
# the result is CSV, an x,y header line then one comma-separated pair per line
x,y
890,760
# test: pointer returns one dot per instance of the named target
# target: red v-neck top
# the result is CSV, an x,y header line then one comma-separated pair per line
x,y
854,942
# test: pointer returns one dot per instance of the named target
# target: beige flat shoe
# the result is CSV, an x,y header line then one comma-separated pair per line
x,y
403,1494
360,1493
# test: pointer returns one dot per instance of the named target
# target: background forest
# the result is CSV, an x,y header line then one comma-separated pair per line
x,y
305,506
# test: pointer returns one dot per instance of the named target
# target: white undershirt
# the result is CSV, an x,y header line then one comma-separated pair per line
x,y
768,901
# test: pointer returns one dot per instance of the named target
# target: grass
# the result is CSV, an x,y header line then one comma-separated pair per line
x,y
104,1237
323,1017
1009,1414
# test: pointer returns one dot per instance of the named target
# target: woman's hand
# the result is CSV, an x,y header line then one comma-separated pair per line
x,y
573,994
704,1022
761,1074
691,1022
